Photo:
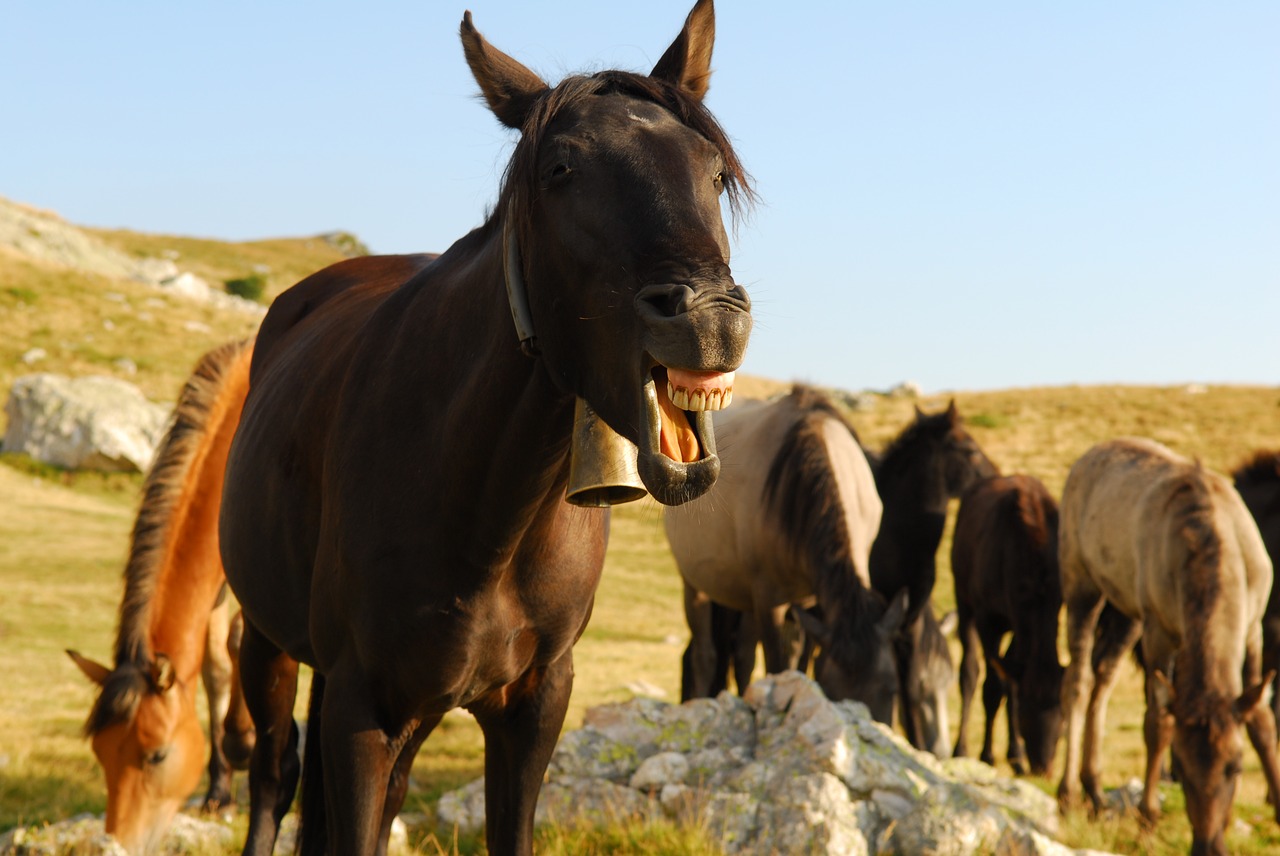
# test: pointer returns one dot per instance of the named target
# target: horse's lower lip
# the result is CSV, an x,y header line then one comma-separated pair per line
x,y
669,481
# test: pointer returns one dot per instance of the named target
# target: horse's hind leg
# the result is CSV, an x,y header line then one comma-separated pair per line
x,y
997,689
269,680
970,645
216,674
520,734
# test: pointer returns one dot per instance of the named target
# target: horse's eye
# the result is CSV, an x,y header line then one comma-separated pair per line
x,y
559,172
156,757
718,181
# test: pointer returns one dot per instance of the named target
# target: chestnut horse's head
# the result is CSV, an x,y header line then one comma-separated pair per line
x,y
616,252
147,737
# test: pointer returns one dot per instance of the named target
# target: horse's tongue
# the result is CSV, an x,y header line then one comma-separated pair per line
x,y
695,391
679,443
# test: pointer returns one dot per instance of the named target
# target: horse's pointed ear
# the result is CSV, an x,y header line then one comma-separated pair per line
x,y
508,87
812,625
93,670
919,412
687,63
952,412
161,673
1249,698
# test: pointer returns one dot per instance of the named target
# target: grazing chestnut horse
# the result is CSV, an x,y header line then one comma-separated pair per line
x,y
791,519
394,512
933,460
1004,557
1258,481
173,620
1172,547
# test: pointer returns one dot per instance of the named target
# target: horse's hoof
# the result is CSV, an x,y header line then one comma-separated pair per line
x,y
1019,766
1148,816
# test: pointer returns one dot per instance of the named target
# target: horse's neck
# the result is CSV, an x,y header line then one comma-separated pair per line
x,y
912,488
501,421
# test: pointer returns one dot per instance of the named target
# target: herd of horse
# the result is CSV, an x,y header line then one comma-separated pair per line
x,y
380,477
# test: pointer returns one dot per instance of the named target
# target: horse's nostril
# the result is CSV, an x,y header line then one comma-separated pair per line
x,y
669,300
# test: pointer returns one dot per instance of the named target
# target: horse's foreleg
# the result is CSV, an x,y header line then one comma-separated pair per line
x,y
699,660
269,680
519,737
1122,634
216,674
1083,610
238,735
357,758
1260,721
770,621
970,645
398,786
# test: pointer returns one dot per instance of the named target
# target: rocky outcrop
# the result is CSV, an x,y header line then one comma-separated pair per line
x,y
89,422
782,770
46,237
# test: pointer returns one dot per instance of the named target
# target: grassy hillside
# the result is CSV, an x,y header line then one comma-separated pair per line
x,y
63,538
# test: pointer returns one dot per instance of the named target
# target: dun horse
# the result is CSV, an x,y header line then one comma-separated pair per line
x,y
144,726
791,518
1172,547
394,512
1258,481
1004,557
933,460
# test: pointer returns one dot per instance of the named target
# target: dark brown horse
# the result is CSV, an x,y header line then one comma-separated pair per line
x,y
394,512
144,725
933,460
1004,557
1258,481
1172,547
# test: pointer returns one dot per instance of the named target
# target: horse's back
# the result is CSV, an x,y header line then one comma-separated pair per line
x,y
715,537
1005,540
1137,517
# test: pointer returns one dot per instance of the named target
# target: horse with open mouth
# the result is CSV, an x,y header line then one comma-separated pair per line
x,y
394,512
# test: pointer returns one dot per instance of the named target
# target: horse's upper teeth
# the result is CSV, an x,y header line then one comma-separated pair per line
x,y
699,399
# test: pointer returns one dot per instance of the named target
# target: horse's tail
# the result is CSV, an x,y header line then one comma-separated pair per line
x,y
214,393
312,823
1031,545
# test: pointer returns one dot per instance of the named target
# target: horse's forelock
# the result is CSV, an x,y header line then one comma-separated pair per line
x,y
122,692
520,184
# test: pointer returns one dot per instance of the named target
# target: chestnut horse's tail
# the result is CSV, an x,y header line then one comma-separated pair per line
x,y
312,824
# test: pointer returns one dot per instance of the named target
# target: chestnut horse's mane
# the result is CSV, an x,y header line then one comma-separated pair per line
x,y
162,492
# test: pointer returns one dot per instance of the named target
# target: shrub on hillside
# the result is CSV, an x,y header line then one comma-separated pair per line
x,y
251,287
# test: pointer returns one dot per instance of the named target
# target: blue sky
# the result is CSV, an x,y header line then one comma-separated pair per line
x,y
968,195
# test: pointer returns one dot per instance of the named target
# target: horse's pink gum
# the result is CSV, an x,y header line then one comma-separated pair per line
x,y
700,380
